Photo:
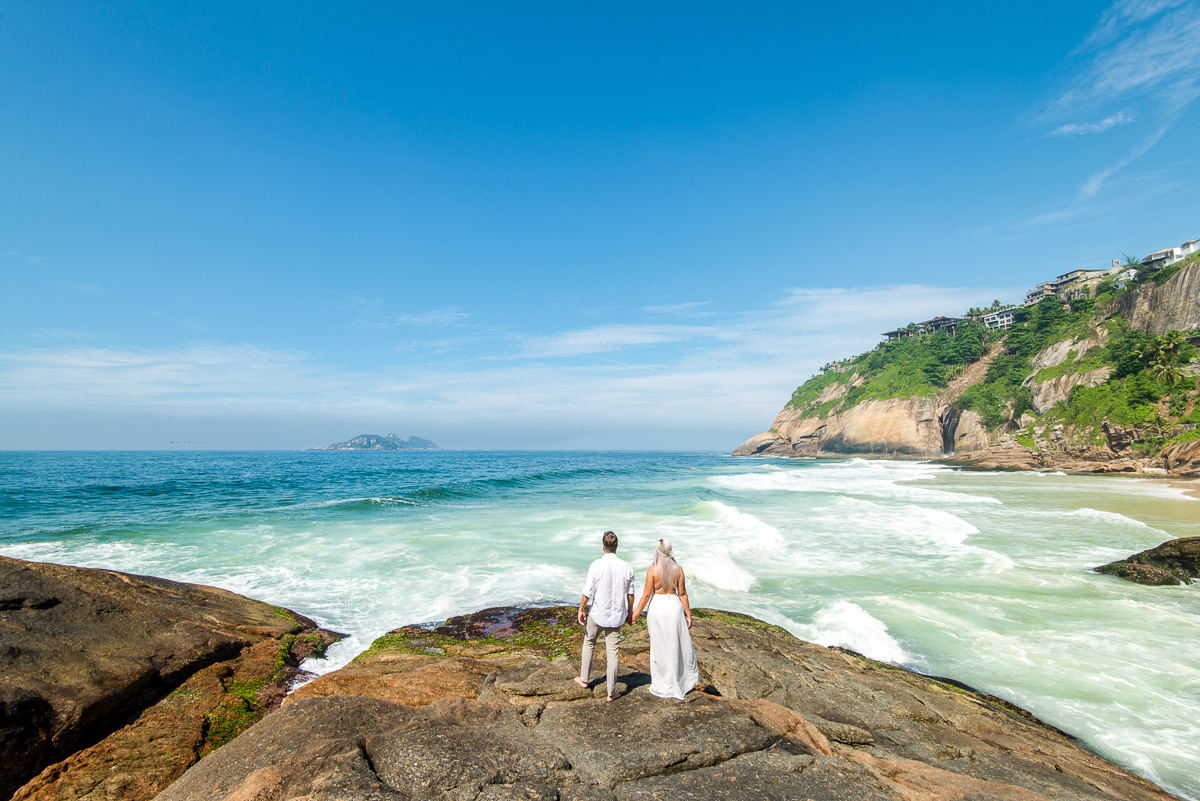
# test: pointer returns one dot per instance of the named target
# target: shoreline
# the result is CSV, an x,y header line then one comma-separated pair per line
x,y
1190,487
1190,484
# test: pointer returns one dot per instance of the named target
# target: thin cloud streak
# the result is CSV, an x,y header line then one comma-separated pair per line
x,y
733,375
1143,54
676,308
1082,129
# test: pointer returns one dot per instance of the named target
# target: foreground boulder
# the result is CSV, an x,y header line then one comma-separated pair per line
x,y
483,708
111,685
1172,563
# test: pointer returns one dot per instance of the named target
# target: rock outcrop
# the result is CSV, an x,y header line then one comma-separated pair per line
x,y
896,426
1172,563
1182,458
1158,309
484,708
114,684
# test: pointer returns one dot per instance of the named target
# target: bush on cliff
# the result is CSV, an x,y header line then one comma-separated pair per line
x,y
904,368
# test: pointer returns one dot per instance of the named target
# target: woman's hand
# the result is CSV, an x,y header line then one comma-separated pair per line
x,y
688,617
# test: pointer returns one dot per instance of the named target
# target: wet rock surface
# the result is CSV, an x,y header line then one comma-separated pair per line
x,y
1172,563
496,716
111,684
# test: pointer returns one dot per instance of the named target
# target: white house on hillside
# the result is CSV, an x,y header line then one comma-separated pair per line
x,y
1169,256
998,320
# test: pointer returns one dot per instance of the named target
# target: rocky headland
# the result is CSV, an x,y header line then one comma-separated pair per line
x,y
1093,385
482,707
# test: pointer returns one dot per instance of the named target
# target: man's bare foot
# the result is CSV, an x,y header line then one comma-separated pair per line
x,y
581,682
614,696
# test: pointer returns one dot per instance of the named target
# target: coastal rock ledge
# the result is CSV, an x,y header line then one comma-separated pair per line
x,y
112,685
482,708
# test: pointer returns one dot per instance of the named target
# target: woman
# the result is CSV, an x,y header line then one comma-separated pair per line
x,y
673,668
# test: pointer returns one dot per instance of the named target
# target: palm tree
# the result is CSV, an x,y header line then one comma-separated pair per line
x,y
1132,261
1150,352
1165,371
1171,341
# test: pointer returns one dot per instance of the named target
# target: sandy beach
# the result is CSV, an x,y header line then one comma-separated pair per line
x,y
1190,486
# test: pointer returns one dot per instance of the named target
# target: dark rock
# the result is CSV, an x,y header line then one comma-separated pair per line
x,y
86,653
1172,563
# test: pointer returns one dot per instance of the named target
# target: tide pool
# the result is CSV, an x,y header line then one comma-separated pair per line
x,y
981,577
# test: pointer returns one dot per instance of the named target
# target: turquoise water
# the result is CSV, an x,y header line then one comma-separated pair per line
x,y
982,577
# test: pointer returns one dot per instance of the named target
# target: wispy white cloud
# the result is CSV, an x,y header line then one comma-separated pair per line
x,y
606,338
372,314
1080,129
676,308
730,375
1143,56
59,334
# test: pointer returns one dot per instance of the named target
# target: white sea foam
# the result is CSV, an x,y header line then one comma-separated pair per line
x,y
848,625
1108,517
879,479
745,531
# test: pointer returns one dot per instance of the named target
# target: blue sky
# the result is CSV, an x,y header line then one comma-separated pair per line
x,y
545,225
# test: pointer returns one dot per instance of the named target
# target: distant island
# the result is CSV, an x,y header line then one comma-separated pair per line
x,y
375,442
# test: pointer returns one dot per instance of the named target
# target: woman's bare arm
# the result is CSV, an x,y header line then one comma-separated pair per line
x,y
687,609
650,576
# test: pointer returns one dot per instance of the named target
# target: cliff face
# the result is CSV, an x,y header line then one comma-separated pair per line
x,y
927,425
1159,309
896,426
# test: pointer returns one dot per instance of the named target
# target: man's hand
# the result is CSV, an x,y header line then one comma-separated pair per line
x,y
629,619
582,617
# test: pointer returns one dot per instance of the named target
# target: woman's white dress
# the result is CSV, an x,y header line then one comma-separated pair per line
x,y
673,667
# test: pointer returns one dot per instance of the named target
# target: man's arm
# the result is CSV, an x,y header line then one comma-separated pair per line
x,y
583,611
629,607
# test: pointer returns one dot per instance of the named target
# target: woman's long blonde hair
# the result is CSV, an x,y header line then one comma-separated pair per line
x,y
668,570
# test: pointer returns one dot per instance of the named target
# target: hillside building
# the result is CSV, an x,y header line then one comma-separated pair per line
x,y
1124,277
932,326
1169,256
998,320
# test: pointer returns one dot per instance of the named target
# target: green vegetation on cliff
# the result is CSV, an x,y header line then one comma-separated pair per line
x,y
903,368
1103,382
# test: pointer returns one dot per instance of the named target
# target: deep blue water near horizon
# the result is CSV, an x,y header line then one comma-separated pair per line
x,y
981,577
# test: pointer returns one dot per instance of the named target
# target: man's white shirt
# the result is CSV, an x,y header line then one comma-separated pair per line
x,y
609,580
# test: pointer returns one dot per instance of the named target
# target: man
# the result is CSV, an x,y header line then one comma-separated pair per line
x,y
609,587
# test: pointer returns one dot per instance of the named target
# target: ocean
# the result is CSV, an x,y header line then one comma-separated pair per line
x,y
981,577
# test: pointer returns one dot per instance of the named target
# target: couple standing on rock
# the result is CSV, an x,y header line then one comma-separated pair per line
x,y
609,588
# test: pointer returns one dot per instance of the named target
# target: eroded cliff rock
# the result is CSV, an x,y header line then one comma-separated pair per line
x,y
116,683
1157,309
905,426
498,717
